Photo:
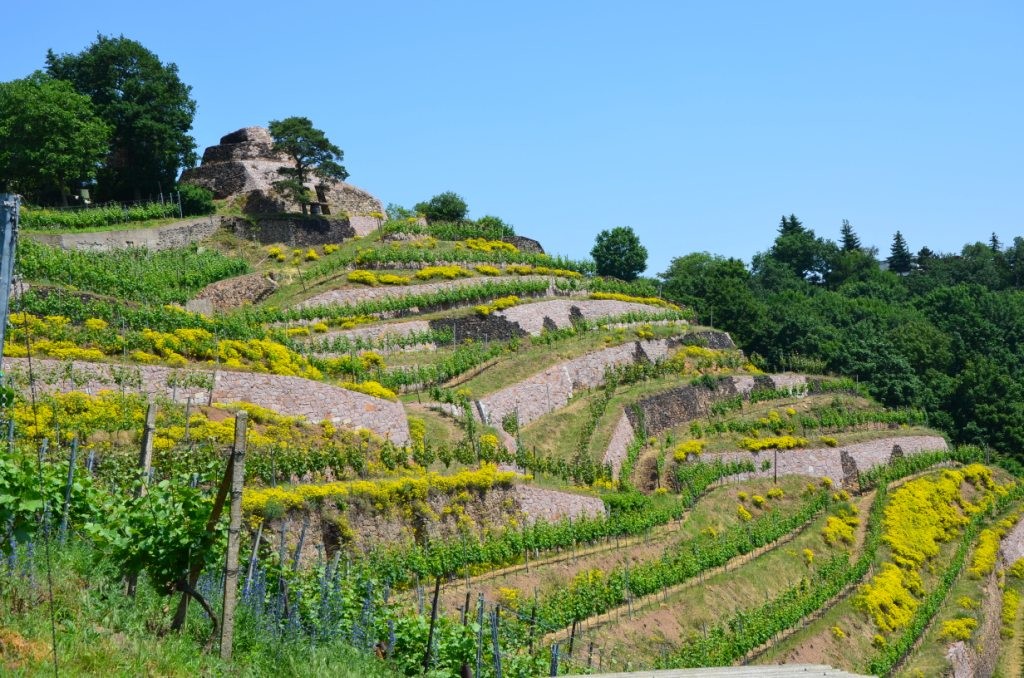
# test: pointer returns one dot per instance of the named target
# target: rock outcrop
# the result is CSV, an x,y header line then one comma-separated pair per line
x,y
244,166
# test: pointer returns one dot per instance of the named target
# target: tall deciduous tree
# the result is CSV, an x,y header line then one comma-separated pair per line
x,y
618,253
52,137
146,104
312,154
899,255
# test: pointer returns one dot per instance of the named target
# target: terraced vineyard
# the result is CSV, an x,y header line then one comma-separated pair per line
x,y
580,474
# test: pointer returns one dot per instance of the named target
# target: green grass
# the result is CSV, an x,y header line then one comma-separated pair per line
x,y
721,595
100,631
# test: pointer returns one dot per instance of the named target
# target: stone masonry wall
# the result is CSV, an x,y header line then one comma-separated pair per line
x,y
534,318
827,462
293,231
668,409
292,396
179,234
551,389
355,295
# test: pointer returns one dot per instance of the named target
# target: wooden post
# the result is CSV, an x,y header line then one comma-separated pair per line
x,y
146,450
145,465
433,621
227,626
255,554
211,524
67,492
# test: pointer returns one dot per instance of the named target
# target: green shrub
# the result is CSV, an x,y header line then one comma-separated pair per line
x,y
195,200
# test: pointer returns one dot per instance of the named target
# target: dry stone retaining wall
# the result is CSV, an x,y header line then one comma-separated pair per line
x,y
1012,548
559,313
355,295
293,396
827,462
551,389
231,293
551,505
178,234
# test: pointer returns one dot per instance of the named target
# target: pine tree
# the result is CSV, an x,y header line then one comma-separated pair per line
x,y
994,243
790,225
851,243
899,255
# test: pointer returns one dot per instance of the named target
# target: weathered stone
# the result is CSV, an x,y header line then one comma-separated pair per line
x,y
293,231
224,295
179,234
244,165
295,396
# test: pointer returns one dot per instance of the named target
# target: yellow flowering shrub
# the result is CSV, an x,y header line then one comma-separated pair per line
x,y
370,388
742,496
484,269
1011,603
485,245
297,331
686,449
808,555
499,304
890,597
772,442
776,493
828,441
311,255
96,324
392,279
983,560
382,492
1017,569
837,530
446,272
758,501
742,513
362,277
838,633
650,301
966,603
960,628
331,248
319,327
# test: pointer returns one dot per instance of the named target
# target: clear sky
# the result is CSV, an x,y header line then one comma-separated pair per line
x,y
696,123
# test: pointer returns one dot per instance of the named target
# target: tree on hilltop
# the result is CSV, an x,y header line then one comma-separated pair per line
x,y
146,104
899,255
618,253
447,206
312,155
52,137
851,243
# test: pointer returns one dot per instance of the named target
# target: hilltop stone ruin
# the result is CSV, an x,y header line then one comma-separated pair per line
x,y
244,166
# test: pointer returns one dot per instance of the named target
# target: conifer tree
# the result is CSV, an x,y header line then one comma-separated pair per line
x,y
851,243
899,255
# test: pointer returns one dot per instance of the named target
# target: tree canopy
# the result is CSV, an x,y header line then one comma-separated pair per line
x,y
312,154
946,337
52,137
618,253
447,206
147,106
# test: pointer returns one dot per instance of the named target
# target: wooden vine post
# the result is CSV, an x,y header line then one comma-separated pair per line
x,y
145,466
227,626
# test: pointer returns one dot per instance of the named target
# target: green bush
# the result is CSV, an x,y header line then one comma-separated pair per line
x,y
195,200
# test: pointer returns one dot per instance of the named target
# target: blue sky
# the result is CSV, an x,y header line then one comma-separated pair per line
x,y
698,124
